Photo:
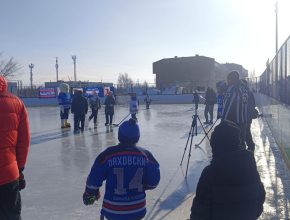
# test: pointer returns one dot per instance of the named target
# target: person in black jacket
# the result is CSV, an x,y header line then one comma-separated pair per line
x,y
95,104
210,100
252,114
79,108
196,99
230,187
109,109
236,103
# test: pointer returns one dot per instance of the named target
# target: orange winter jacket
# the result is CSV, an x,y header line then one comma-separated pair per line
x,y
14,135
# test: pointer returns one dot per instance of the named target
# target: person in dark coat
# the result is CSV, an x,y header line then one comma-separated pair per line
x,y
79,108
196,99
230,187
252,114
109,109
95,104
210,100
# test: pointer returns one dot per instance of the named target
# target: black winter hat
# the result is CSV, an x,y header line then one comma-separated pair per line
x,y
225,138
234,75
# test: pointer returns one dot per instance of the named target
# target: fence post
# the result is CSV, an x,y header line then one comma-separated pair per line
x,y
131,88
160,88
146,88
256,85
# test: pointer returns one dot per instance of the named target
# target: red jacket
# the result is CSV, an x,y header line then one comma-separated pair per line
x,y
14,135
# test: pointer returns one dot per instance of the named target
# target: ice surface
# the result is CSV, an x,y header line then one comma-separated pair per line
x,y
59,162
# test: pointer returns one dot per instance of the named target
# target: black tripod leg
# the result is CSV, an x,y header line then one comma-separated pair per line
x,y
206,135
189,154
203,128
186,145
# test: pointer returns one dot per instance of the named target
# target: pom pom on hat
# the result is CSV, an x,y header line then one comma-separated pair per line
x,y
129,132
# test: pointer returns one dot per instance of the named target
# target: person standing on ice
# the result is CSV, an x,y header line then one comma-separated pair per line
x,y
210,100
147,100
252,114
14,148
236,104
109,108
196,99
64,102
133,107
129,171
95,104
138,99
79,108
230,188
221,88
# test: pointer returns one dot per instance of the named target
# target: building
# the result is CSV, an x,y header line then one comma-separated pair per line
x,y
190,72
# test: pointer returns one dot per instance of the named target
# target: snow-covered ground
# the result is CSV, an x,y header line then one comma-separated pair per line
x,y
59,162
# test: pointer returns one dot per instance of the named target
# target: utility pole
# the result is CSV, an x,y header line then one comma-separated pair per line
x,y
74,57
31,66
276,5
56,67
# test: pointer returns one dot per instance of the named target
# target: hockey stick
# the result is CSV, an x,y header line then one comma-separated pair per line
x,y
206,135
121,121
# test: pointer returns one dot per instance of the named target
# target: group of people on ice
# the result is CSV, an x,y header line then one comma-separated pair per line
x,y
229,187
79,106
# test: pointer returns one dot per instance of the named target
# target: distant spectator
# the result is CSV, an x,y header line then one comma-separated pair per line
x,y
210,100
109,109
196,99
95,104
14,147
79,108
230,187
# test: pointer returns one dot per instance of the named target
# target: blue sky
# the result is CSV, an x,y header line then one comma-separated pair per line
x,y
117,36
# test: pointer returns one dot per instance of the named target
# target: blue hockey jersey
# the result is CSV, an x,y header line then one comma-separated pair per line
x,y
65,100
133,106
220,99
129,171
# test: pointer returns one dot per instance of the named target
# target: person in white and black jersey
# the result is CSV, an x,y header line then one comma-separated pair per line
x,y
236,103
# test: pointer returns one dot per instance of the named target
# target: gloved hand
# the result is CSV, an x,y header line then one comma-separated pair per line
x,y
89,199
218,117
61,108
22,182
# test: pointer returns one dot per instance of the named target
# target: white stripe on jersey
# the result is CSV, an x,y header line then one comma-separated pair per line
x,y
124,203
124,212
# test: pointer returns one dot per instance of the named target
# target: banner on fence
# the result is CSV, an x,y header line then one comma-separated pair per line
x,y
92,90
47,93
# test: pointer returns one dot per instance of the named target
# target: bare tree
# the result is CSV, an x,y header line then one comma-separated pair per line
x,y
124,81
9,67
252,74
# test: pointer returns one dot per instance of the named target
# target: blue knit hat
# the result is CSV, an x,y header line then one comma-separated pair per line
x,y
129,132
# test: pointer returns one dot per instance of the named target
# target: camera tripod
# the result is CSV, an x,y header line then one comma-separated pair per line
x,y
191,134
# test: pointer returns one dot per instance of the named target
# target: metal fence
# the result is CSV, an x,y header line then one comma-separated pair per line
x,y
275,80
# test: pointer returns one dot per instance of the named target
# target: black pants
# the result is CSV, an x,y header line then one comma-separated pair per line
x,y
134,116
208,109
94,115
107,119
10,201
249,139
147,105
243,129
79,118
196,104
64,115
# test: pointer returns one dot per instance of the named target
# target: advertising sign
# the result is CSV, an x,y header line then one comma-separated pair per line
x,y
47,93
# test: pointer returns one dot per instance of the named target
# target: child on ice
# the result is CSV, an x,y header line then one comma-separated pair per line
x,y
147,100
133,106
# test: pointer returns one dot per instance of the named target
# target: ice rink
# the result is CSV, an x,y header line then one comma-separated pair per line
x,y
59,162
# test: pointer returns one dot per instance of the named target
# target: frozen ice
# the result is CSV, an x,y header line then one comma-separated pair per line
x,y
59,162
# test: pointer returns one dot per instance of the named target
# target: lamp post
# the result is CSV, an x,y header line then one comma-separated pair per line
x,y
276,11
56,67
74,57
31,66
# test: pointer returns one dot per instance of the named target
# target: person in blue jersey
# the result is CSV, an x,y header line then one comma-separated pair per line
x,y
64,102
133,106
221,88
129,171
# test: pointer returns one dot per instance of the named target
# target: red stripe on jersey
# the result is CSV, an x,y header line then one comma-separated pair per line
x,y
127,152
124,208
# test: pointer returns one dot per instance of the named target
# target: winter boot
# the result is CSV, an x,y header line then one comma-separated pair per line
x,y
67,125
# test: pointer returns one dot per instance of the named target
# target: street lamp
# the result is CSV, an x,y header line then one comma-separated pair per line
x,y
31,66
74,57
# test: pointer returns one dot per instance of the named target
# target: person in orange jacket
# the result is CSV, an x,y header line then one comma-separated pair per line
x,y
14,147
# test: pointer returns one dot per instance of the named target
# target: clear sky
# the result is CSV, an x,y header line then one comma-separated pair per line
x,y
117,36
